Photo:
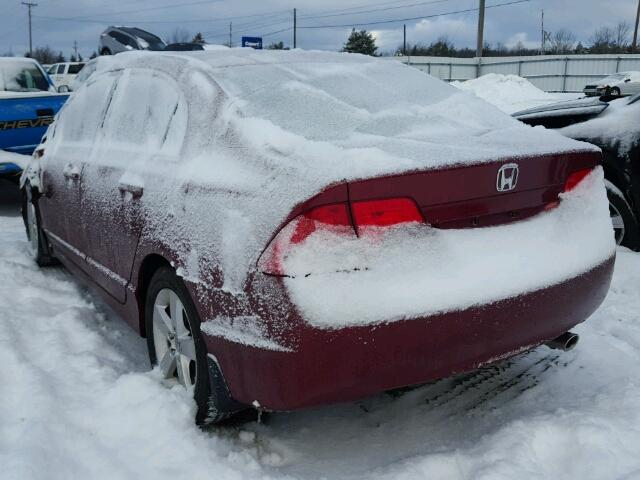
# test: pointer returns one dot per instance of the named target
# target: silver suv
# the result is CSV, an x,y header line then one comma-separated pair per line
x,y
121,39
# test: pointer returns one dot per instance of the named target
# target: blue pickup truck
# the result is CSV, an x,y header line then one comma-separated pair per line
x,y
28,103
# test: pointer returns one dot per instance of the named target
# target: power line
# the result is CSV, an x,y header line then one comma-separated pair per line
x,y
422,17
84,19
147,9
218,33
350,9
376,9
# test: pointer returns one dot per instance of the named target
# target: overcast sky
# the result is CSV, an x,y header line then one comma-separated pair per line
x,y
58,23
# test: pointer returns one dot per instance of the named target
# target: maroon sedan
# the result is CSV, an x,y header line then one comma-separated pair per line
x,y
291,229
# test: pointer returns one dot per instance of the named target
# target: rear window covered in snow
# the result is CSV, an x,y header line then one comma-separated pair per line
x,y
323,101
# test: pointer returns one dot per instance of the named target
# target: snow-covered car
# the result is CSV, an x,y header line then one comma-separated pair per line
x,y
64,74
123,39
290,229
623,83
28,103
614,126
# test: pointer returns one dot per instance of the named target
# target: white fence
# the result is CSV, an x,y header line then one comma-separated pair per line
x,y
553,73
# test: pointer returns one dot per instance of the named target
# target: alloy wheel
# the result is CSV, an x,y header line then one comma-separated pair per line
x,y
34,234
174,344
618,223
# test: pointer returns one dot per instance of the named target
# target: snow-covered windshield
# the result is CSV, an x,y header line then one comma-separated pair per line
x,y
614,78
22,77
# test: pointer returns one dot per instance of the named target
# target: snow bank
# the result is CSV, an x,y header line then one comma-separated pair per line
x,y
618,127
414,271
510,93
257,132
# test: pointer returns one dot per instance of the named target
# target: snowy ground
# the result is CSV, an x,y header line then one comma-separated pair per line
x,y
511,93
77,401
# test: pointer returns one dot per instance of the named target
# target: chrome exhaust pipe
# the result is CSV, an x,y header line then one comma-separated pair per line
x,y
567,341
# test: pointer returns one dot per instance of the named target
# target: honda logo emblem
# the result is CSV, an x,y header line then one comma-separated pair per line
x,y
507,177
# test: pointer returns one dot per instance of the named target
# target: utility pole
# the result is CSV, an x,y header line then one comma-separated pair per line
x,y
404,40
295,28
75,49
542,35
30,5
634,45
480,29
230,34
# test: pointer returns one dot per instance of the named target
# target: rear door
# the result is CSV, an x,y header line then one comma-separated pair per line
x,y
131,145
69,143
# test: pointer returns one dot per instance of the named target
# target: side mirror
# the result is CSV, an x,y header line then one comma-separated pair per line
x,y
63,89
627,80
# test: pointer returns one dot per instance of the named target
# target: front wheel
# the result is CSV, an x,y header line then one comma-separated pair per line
x,y
38,247
625,224
177,348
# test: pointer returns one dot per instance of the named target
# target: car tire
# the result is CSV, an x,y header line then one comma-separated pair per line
x,y
38,245
181,348
105,51
625,224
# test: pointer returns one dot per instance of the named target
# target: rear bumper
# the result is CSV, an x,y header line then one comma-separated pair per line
x,y
329,366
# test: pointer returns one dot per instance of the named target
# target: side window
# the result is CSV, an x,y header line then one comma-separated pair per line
x,y
141,111
83,114
52,69
123,39
61,69
75,69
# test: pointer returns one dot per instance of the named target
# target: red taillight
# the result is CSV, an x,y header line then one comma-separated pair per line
x,y
335,218
328,215
383,213
575,178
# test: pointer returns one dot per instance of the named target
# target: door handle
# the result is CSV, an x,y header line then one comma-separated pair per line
x,y
71,172
134,190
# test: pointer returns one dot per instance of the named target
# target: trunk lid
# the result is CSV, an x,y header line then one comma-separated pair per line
x,y
470,196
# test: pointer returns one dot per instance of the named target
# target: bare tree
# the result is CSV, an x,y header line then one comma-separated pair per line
x,y
563,41
179,35
45,55
622,31
611,39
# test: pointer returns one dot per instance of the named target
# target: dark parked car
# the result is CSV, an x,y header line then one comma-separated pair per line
x,y
290,229
613,125
184,47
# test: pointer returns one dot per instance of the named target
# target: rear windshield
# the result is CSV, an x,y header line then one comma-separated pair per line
x,y
74,69
324,101
152,42
22,77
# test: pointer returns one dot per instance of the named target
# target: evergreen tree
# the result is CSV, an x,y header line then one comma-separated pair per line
x,y
72,58
198,38
60,58
360,42
93,55
276,46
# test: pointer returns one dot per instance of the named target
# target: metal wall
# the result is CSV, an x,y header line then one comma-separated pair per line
x,y
553,73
